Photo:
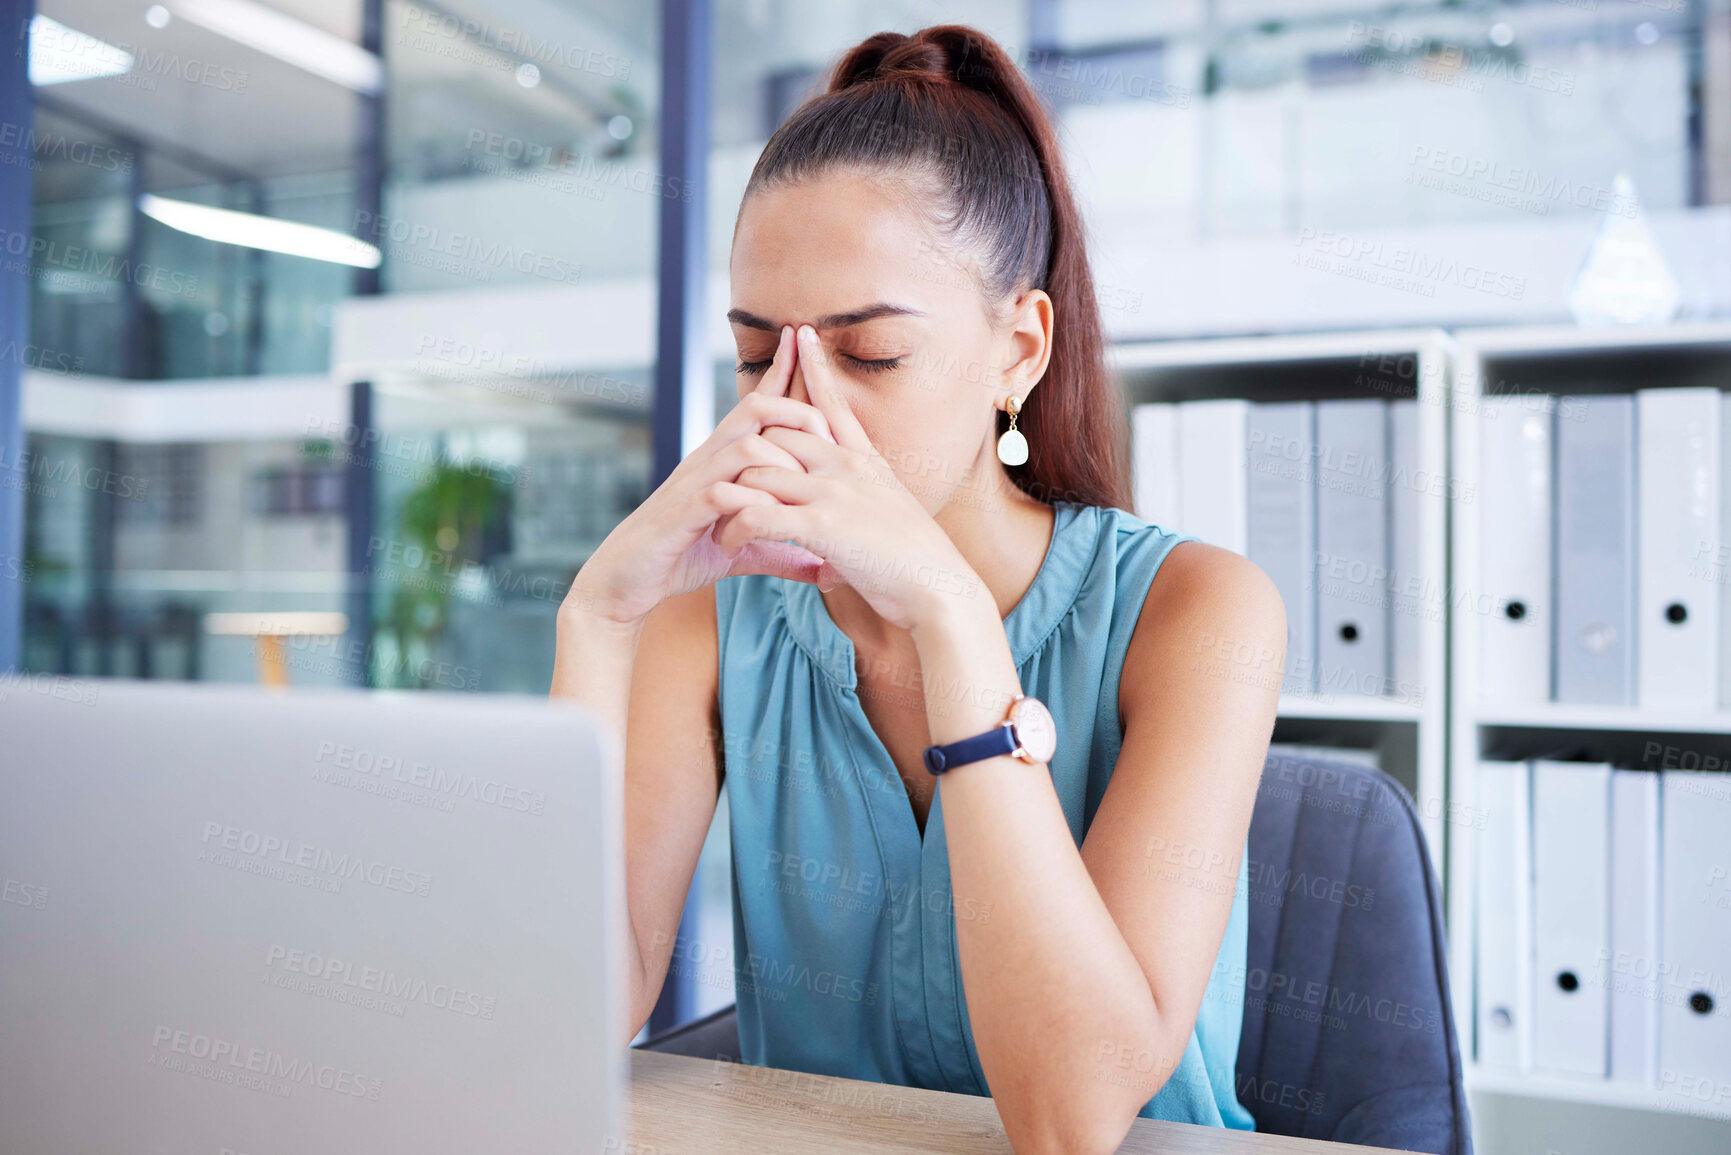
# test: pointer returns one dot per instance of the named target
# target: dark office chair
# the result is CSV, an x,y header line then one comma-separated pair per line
x,y
1348,1032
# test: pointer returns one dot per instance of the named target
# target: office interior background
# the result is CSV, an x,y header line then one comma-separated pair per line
x,y
332,340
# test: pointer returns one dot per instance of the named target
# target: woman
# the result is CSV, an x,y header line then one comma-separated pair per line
x,y
832,607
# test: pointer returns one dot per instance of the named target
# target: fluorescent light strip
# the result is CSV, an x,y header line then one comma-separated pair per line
x,y
60,55
289,40
256,232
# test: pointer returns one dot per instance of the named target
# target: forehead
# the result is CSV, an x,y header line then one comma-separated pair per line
x,y
831,243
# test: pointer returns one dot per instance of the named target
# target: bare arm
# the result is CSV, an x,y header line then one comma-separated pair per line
x,y
654,681
1084,986
637,647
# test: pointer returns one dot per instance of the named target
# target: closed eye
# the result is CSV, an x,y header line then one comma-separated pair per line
x,y
753,368
882,366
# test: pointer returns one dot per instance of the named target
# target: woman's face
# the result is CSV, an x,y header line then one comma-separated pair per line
x,y
917,349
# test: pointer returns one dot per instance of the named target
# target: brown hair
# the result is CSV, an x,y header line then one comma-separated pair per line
x,y
949,103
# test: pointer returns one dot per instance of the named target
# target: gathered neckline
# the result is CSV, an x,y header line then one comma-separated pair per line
x,y
1056,586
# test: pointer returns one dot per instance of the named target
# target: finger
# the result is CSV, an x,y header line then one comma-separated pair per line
x,y
815,454
724,467
753,449
773,522
786,560
826,394
788,486
721,500
777,559
759,411
780,371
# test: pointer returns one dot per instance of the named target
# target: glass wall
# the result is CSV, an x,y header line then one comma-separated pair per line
x,y
519,156
1243,119
519,153
521,163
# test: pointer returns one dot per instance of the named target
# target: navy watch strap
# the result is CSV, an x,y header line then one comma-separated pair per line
x,y
998,740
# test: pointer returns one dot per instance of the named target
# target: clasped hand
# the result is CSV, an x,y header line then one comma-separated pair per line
x,y
789,489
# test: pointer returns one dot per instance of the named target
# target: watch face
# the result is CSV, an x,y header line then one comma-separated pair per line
x,y
1035,730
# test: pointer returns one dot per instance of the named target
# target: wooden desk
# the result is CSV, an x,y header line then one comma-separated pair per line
x,y
703,1107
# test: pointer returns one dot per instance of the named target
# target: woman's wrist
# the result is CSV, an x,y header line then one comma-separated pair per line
x,y
582,620
590,645
589,605
967,668
951,597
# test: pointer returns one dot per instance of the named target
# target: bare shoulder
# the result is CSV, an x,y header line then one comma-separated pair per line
x,y
1206,609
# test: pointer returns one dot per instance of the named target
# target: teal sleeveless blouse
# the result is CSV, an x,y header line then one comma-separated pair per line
x,y
845,959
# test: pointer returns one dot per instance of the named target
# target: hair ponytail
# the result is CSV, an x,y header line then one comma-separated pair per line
x,y
949,102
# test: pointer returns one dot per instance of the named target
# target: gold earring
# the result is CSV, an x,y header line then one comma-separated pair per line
x,y
1012,446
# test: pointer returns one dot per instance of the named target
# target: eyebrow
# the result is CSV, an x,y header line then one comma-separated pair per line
x,y
833,321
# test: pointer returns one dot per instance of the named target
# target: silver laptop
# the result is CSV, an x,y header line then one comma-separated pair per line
x,y
294,924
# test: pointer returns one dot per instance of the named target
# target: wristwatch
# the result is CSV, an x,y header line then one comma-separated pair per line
x,y
1027,732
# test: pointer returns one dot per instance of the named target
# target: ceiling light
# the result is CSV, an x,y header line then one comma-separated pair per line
x,y
528,75
620,128
1502,34
255,232
289,40
156,16
60,55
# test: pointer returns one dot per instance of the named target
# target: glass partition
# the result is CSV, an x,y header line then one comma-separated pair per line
x,y
520,156
1252,119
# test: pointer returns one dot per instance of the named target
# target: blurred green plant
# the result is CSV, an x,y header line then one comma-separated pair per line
x,y
444,523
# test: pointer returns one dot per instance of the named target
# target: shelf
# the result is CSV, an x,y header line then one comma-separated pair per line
x,y
1600,1092
1545,340
1131,355
1567,716
1349,707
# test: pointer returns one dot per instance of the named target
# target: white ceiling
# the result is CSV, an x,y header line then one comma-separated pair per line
x,y
209,96
251,113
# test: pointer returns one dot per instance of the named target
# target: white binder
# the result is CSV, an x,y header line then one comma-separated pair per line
x,y
1595,571
1154,462
1282,524
1504,889
1677,618
1213,472
1695,933
1629,968
1514,510
1571,915
1410,596
1352,554
1716,566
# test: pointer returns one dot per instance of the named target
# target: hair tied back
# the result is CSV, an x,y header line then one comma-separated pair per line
x,y
949,102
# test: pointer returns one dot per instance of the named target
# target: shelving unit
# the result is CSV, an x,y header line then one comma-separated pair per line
x,y
1409,736
1600,1093
1563,361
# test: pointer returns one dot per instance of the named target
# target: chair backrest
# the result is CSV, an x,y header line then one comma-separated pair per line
x,y
1348,1032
